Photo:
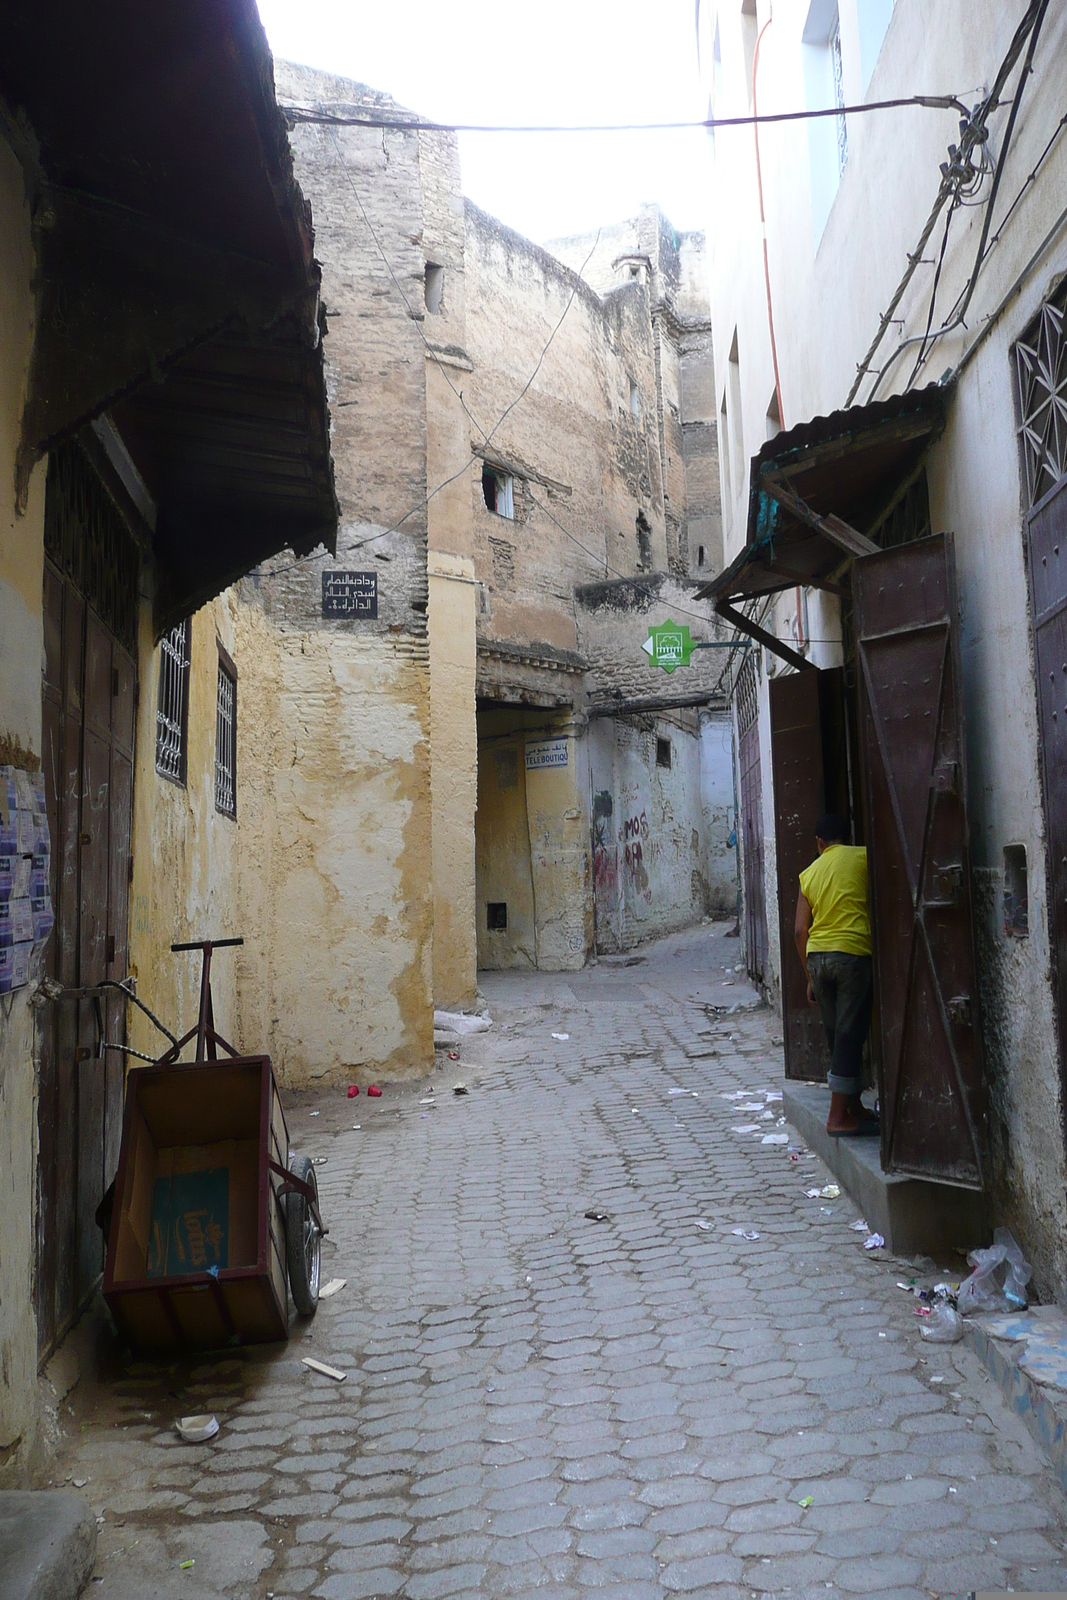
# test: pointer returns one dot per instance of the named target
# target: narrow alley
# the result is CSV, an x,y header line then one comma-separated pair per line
x,y
594,1337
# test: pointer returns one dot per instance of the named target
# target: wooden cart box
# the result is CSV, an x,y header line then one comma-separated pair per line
x,y
196,1253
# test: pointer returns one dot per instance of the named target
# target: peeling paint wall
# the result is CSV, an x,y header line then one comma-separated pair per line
x,y
21,650
336,827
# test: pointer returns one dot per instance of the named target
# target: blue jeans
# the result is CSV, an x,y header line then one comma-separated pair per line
x,y
844,990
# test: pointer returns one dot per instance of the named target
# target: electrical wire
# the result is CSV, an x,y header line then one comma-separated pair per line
x,y
956,170
959,310
327,119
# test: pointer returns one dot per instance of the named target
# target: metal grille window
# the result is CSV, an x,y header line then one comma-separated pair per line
x,y
839,91
746,695
172,706
226,738
1041,372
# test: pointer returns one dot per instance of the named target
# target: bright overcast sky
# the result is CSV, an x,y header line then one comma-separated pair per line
x,y
557,61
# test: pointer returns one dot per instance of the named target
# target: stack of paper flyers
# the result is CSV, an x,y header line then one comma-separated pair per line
x,y
26,917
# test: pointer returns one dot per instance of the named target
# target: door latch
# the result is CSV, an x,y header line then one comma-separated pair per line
x,y
948,882
959,1010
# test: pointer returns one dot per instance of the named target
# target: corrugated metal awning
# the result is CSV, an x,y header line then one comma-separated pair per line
x,y
816,491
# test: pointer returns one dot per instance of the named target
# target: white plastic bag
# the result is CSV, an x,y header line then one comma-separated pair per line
x,y
943,1325
998,1282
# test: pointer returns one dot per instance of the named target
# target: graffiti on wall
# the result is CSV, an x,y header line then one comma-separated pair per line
x,y
636,840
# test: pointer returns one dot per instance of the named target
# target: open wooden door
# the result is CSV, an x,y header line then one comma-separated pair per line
x,y
926,1038
810,777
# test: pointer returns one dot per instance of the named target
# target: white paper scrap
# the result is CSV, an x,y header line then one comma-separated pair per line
x,y
875,1242
775,1138
859,1226
327,1372
334,1285
561,1036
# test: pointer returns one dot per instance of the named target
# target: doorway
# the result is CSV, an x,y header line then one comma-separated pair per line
x,y
89,697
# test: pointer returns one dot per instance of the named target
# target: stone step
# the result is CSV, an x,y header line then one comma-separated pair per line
x,y
914,1217
47,1544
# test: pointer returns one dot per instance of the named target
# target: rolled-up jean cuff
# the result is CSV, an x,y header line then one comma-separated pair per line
x,y
839,1085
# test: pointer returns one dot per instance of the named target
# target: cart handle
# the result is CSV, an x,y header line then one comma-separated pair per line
x,y
205,944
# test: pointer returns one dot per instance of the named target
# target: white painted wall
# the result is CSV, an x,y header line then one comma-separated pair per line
x,y
829,284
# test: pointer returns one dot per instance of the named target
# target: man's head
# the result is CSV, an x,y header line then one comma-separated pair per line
x,y
831,829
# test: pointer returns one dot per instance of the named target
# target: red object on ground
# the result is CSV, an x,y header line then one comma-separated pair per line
x,y
453,1055
374,1090
353,1090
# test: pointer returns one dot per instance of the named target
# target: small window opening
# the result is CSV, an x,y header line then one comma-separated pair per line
x,y
700,555
226,737
635,398
172,706
635,270
663,753
435,288
1016,902
498,488
496,916
644,543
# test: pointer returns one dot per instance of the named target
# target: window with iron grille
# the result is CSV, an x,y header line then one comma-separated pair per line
x,y
172,706
1041,373
226,738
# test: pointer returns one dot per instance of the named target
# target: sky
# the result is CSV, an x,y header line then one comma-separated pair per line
x,y
542,61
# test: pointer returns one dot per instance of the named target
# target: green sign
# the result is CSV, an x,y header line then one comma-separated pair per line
x,y
668,645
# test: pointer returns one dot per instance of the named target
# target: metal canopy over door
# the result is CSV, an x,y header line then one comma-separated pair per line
x,y
1047,551
912,754
810,765
89,695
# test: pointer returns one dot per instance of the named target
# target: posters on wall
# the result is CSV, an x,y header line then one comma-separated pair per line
x,y
25,902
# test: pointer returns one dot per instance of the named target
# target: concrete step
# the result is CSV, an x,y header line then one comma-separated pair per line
x,y
914,1217
1026,1352
47,1544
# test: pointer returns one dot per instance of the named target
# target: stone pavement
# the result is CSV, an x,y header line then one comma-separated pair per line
x,y
540,1403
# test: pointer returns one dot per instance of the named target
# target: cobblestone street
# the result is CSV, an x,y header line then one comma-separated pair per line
x,y
538,1402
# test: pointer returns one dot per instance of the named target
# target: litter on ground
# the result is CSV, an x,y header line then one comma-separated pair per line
x,y
744,1233
197,1430
327,1372
875,1242
859,1226
561,1036
334,1286
775,1138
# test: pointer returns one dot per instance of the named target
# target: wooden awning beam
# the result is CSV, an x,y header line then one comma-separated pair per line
x,y
723,608
830,526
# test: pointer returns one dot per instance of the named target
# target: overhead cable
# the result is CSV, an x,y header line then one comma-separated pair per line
x,y
957,171
333,119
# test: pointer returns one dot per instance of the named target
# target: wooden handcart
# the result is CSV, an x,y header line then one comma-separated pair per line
x,y
214,1220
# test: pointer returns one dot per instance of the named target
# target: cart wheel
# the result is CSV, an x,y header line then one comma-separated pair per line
x,y
303,1241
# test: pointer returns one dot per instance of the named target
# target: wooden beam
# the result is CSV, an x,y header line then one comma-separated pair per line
x,y
775,646
831,527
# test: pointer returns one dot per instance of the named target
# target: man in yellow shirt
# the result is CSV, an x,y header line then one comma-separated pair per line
x,y
833,934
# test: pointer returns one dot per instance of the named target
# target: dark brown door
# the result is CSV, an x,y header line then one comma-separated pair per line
x,y
748,757
89,695
810,778
1047,551
927,1040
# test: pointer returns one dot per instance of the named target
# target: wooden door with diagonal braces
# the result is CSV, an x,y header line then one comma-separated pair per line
x,y
927,1039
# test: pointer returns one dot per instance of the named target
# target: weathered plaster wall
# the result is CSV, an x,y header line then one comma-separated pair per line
x,y
660,854
504,870
336,838
454,779
613,620
21,648
336,831
452,619
185,852
589,461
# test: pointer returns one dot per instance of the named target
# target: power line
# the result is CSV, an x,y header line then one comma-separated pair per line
x,y
328,119
955,173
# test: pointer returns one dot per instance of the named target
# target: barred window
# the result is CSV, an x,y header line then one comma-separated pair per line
x,y
172,707
226,738
1041,371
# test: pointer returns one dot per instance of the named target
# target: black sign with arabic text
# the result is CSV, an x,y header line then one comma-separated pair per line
x,y
350,594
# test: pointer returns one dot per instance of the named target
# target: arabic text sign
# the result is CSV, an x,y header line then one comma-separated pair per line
x,y
350,594
546,753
